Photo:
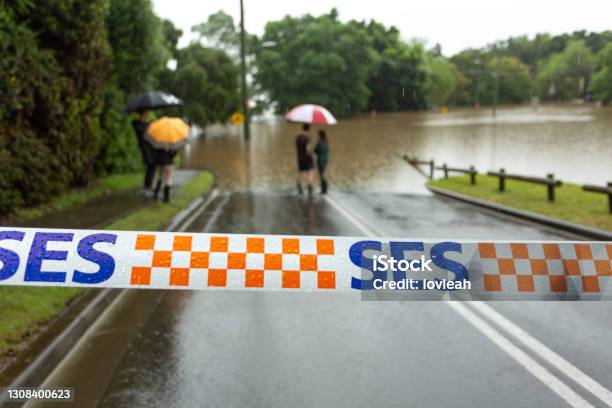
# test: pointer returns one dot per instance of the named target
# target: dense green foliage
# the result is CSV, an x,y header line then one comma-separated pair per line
x,y
139,54
357,66
564,74
440,82
218,31
66,72
397,78
554,68
601,85
69,66
318,60
490,77
508,81
52,81
348,67
207,81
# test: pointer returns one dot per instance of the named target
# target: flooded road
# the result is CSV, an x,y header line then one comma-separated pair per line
x,y
278,349
573,142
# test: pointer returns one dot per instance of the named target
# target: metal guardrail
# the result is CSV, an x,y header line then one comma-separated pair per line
x,y
549,181
471,171
604,190
416,162
432,167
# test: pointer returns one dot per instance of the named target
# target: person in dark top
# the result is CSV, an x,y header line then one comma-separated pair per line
x,y
322,151
164,159
140,126
305,160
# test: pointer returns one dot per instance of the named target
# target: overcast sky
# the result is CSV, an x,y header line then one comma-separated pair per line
x,y
455,24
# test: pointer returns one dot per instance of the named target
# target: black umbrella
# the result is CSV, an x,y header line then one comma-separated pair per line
x,y
152,100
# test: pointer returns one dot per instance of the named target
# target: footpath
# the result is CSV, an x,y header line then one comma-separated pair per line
x,y
34,318
102,211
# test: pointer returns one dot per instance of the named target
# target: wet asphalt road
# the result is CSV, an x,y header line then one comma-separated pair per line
x,y
274,349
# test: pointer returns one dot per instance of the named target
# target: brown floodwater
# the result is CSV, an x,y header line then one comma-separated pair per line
x,y
572,141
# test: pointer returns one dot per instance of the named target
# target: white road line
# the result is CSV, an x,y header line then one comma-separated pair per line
x,y
199,211
531,365
216,213
528,363
547,354
361,226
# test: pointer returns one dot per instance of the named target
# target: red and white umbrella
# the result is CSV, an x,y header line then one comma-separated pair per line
x,y
314,114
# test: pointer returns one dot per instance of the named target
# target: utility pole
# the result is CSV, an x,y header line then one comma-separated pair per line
x,y
245,93
496,91
477,83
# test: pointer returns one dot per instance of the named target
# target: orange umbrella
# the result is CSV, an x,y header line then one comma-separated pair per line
x,y
168,133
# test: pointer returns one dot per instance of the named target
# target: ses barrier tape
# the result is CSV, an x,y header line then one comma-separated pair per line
x,y
413,269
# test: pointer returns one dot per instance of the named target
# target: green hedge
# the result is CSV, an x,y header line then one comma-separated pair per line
x,y
53,74
67,68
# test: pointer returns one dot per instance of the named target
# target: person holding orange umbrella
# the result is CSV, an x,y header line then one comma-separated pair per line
x,y
167,135
143,104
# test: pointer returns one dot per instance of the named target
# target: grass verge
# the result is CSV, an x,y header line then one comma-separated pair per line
x,y
25,310
571,202
103,186
157,215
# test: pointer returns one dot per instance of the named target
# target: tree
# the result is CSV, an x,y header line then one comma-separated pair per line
x,y
397,79
317,60
140,44
461,94
601,86
53,73
218,31
598,41
75,32
440,82
382,37
565,75
207,81
221,32
560,66
171,36
26,71
468,73
514,81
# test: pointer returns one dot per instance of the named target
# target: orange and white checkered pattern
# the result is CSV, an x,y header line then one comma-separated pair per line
x,y
235,261
556,268
163,260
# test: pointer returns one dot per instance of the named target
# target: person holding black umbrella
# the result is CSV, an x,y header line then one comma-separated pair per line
x,y
143,104
140,125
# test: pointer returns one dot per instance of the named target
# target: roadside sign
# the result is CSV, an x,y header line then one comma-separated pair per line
x,y
237,118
